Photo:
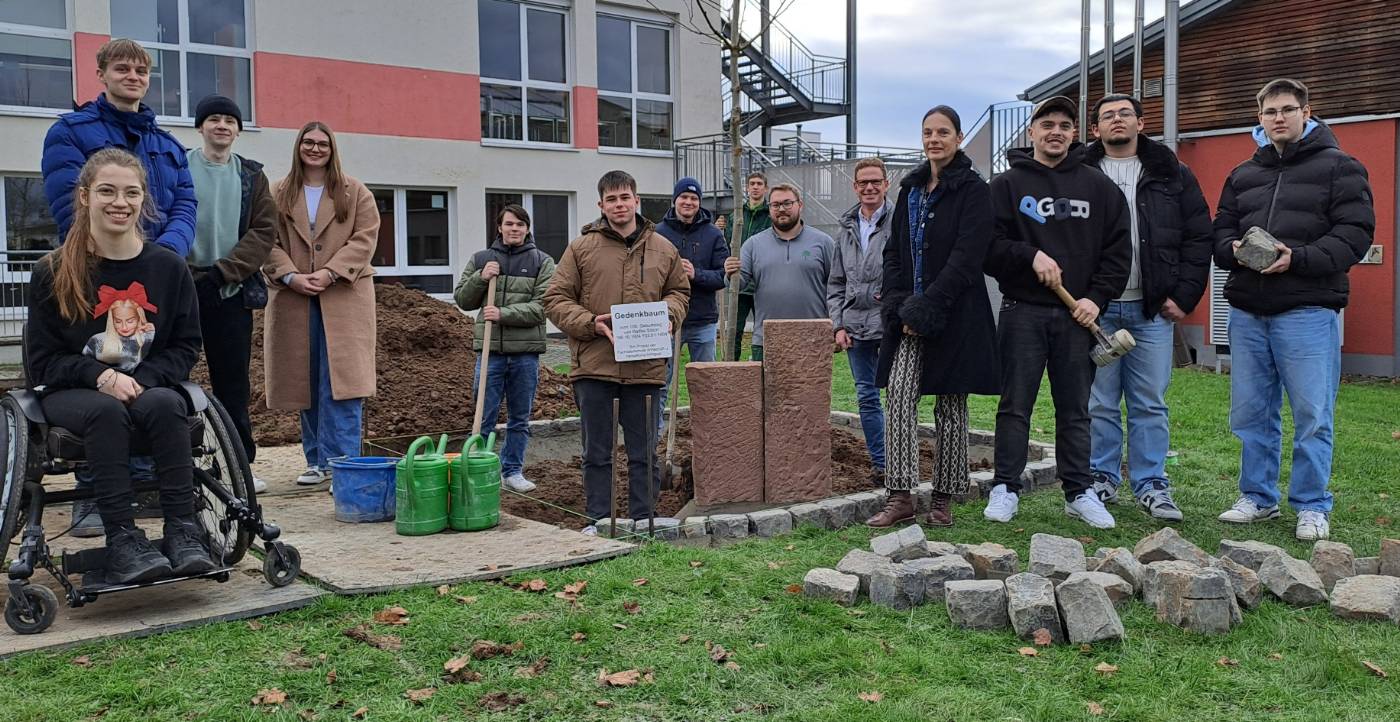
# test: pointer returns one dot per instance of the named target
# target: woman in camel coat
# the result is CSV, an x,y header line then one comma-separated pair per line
x,y
319,334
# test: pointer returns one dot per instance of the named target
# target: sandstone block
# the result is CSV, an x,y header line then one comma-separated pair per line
x,y
1367,597
726,427
1121,562
729,528
938,571
991,560
1390,557
1248,589
796,410
1292,580
896,586
807,514
868,504
1249,553
1368,565
831,584
862,564
1088,612
1030,603
840,512
1332,561
1119,591
902,545
770,522
977,603
1055,557
1166,544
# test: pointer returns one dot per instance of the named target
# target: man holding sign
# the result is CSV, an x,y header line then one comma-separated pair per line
x,y
619,260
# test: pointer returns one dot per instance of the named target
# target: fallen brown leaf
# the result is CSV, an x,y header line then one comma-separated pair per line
x,y
1028,652
578,637
602,704
718,653
386,642
360,713
271,696
1382,521
1095,708
331,676
625,678
577,587
488,568
641,582
529,617
534,670
419,696
83,661
1395,435
793,589
396,616
774,565
631,607
1105,668
486,649
309,715
886,648
456,664
1042,637
254,625
1276,656
732,665
465,600
683,639
760,645
696,564
871,696
499,701
296,660
1227,662
1086,539
790,547
1374,669
1086,648
619,625
535,585
444,590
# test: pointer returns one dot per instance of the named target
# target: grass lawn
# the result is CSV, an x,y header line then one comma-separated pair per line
x,y
794,659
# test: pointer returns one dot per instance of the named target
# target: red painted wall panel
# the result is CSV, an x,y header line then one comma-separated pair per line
x,y
85,47
1370,316
366,98
585,117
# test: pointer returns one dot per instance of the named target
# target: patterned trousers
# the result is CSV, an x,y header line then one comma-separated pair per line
x,y
950,467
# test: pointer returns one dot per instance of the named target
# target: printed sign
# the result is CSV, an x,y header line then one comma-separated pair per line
x,y
639,331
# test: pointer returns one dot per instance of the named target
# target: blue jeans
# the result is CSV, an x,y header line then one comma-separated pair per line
x,y
700,339
1140,379
513,377
1297,351
864,357
329,428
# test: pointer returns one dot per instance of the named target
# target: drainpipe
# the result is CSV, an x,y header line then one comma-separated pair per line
x,y
1084,75
1172,22
850,78
1137,49
1107,46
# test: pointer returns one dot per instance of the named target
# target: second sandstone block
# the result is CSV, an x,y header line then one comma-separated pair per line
x,y
726,431
797,410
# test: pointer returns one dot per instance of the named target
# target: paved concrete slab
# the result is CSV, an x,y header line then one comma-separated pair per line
x,y
368,558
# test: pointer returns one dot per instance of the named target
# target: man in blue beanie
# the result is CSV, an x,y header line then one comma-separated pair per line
x,y
703,251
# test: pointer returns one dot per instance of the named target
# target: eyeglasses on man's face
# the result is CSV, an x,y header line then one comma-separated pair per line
x,y
315,145
1287,111
875,183
1125,113
782,205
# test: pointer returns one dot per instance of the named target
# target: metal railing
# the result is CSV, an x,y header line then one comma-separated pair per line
x,y
15,267
821,78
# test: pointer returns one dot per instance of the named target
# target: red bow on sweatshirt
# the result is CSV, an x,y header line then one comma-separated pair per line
x,y
106,296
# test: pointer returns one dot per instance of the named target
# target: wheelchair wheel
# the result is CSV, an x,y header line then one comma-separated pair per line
x,y
222,459
14,427
44,609
281,569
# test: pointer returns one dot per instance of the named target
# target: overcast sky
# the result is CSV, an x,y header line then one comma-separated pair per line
x,y
913,54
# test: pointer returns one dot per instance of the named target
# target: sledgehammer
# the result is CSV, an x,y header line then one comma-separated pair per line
x,y
1107,349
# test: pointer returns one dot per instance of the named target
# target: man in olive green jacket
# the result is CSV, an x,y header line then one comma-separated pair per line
x,y
522,274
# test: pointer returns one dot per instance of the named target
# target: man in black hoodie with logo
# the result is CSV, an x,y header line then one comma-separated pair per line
x,y
1057,222
1285,333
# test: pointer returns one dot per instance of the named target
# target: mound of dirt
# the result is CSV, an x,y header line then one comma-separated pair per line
x,y
425,363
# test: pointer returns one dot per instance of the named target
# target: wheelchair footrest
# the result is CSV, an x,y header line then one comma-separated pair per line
x,y
85,560
95,581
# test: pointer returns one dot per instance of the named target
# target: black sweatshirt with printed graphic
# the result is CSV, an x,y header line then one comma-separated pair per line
x,y
144,322
1072,212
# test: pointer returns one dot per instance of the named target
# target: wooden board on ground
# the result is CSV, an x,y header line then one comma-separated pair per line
x,y
369,558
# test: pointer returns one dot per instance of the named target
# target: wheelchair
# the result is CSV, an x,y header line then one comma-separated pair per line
x,y
225,507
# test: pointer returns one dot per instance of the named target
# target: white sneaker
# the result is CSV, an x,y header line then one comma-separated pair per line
x,y
589,530
518,483
1312,525
1245,511
313,476
259,486
1088,508
1002,504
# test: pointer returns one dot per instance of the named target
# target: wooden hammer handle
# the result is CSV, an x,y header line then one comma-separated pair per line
x,y
1070,302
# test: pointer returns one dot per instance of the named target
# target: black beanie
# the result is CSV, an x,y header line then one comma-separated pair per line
x,y
217,105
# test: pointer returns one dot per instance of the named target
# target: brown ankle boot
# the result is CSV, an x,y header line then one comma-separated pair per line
x,y
940,512
899,507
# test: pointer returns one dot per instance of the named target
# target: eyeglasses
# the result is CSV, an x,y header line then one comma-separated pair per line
x,y
1126,114
316,145
870,183
785,205
1288,111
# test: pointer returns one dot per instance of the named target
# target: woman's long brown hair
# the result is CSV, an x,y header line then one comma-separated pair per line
x,y
74,263
291,189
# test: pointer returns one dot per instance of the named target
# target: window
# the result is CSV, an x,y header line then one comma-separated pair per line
x,y
635,104
415,238
198,48
29,233
549,218
524,73
654,208
36,54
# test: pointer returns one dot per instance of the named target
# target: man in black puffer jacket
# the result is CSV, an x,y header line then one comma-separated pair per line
x,y
1284,328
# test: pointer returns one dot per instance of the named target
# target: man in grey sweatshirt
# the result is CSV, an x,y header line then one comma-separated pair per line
x,y
786,267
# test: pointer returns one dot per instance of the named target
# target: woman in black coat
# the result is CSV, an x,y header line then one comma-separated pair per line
x,y
939,337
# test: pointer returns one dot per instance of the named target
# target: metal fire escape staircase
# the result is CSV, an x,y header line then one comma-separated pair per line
x,y
782,81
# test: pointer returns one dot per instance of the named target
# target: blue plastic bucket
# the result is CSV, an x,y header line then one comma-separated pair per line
x,y
364,488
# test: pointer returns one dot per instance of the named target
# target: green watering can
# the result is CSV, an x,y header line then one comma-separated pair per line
x,y
421,489
476,486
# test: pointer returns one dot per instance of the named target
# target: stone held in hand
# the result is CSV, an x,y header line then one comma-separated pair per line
x,y
830,584
977,603
1249,553
1166,544
1088,612
1257,250
1292,580
1332,561
896,586
1055,557
907,543
1367,597
1030,603
938,571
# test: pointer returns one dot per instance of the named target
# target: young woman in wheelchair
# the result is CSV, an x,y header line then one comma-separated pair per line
x,y
113,329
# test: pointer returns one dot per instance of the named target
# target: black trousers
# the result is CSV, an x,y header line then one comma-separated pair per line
x,y
228,337
1032,339
594,399
160,416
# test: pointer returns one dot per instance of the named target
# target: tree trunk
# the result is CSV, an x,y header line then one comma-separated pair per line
x,y
729,320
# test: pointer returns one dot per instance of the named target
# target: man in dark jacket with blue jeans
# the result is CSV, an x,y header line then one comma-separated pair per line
x,y
1171,242
1285,334
703,251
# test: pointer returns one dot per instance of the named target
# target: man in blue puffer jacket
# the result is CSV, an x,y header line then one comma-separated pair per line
x,y
703,251
118,118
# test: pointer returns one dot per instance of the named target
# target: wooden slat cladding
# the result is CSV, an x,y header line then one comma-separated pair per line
x,y
1346,51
